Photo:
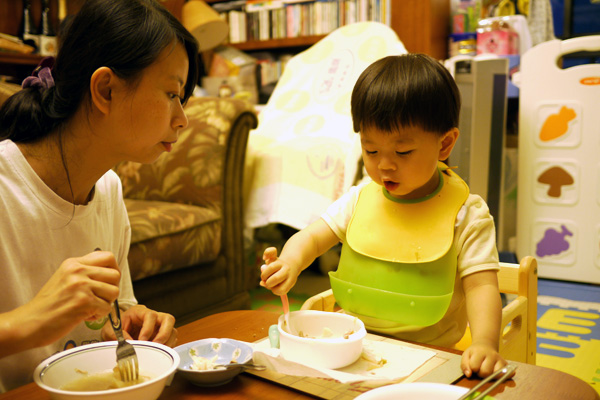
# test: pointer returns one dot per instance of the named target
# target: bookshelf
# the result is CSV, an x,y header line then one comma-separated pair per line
x,y
19,66
422,25
273,44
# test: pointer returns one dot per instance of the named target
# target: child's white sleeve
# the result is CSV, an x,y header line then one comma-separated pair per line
x,y
338,214
475,238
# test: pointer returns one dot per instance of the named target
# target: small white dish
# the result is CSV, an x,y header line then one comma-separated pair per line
x,y
222,351
156,361
341,346
414,391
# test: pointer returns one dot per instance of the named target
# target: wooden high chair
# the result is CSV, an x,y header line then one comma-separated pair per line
x,y
519,316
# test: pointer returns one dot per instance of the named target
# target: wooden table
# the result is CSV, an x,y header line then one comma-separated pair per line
x,y
530,382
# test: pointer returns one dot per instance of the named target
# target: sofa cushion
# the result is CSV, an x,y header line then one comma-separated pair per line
x,y
191,235
192,172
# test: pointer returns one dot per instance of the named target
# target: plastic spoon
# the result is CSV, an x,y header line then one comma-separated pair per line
x,y
284,299
286,311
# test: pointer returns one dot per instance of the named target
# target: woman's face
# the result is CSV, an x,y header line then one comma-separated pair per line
x,y
150,114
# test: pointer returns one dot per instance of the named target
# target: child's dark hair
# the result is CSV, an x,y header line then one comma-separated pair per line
x,y
125,35
406,90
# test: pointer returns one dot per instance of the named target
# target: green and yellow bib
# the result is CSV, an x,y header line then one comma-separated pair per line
x,y
398,263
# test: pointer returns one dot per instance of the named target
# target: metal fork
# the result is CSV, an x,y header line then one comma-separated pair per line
x,y
127,360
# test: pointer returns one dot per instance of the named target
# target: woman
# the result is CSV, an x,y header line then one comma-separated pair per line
x,y
116,92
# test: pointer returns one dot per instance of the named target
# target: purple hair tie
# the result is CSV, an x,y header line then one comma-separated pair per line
x,y
41,76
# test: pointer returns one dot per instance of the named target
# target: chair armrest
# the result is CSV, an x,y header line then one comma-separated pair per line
x,y
323,301
515,340
515,314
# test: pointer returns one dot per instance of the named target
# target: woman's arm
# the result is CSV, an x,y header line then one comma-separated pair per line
x,y
82,288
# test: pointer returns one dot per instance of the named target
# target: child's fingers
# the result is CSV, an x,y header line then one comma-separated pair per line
x,y
266,273
465,364
471,362
501,363
267,270
273,275
274,280
486,367
270,254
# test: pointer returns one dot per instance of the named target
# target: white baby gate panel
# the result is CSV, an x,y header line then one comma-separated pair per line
x,y
478,152
558,217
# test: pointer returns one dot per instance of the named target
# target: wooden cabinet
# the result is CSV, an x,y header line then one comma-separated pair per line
x,y
422,25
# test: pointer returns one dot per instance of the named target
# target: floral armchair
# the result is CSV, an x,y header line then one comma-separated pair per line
x,y
187,253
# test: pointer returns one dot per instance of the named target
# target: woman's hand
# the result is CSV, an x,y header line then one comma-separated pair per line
x,y
82,288
142,323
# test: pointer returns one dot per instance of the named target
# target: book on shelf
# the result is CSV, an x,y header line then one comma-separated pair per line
x,y
251,20
228,6
258,5
13,44
271,66
233,72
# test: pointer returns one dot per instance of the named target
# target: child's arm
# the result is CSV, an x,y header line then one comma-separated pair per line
x,y
280,274
484,311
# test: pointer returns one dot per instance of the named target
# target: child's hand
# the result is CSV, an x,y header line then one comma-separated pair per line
x,y
276,274
482,360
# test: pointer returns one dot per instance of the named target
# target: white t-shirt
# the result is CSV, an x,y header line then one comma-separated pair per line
x,y
38,231
475,245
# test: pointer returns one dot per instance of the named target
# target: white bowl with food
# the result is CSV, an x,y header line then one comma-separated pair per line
x,y
321,339
89,372
201,361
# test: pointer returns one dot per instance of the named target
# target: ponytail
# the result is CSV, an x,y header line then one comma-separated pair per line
x,y
128,36
23,117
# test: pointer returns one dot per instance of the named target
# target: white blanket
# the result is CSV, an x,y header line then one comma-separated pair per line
x,y
304,153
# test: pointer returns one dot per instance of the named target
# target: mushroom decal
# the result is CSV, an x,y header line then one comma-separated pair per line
x,y
556,177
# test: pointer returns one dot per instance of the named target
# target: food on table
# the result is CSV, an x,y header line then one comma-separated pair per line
x,y
205,364
374,357
326,334
100,381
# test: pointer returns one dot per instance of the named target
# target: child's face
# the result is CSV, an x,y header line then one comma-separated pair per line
x,y
405,162
151,113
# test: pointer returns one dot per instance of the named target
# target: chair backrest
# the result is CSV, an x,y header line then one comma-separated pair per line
x,y
519,316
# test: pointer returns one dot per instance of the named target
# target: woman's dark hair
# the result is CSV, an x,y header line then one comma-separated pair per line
x,y
406,90
125,35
